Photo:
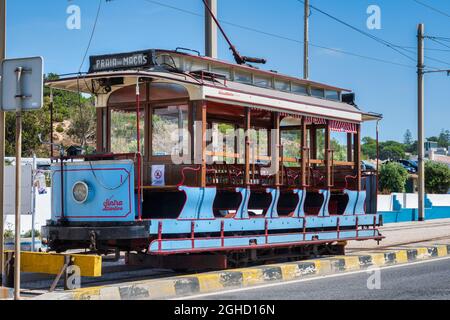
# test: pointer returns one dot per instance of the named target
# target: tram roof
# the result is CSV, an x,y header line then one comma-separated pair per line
x,y
215,80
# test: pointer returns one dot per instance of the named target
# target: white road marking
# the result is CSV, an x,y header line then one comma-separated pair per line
x,y
276,284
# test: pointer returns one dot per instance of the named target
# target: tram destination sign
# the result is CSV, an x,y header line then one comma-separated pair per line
x,y
122,61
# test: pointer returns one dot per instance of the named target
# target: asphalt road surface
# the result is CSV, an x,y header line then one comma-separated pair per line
x,y
429,280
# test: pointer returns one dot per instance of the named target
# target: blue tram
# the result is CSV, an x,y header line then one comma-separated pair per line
x,y
210,161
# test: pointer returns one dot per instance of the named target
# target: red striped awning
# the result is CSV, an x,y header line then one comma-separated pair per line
x,y
312,120
341,126
290,115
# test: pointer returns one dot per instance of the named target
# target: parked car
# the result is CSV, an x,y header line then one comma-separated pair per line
x,y
409,163
367,166
410,166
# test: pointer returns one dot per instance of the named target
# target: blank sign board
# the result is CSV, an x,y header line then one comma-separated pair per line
x,y
31,84
10,190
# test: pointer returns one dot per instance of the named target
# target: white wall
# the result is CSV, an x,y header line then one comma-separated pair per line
x,y
43,213
440,200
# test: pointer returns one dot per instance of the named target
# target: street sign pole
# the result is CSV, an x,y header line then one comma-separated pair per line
x,y
421,130
22,90
33,208
2,138
19,97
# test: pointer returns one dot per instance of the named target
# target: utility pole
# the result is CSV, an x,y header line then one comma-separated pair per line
x,y
306,42
420,102
2,138
211,30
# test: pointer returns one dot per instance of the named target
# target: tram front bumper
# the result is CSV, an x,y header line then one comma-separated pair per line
x,y
101,231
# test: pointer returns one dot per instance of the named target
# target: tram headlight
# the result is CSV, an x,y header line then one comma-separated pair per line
x,y
80,192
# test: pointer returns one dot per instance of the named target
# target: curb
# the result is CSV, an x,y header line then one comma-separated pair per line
x,y
240,278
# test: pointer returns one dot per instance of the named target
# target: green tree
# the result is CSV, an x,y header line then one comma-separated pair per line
x,y
437,178
392,150
38,122
34,123
369,148
83,124
392,178
444,139
412,148
29,234
407,138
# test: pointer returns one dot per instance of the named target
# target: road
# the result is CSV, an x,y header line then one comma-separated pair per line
x,y
428,280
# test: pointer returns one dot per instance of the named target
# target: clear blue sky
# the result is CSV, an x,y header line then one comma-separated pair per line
x,y
39,28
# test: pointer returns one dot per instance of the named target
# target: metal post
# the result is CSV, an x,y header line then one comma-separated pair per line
x,y
139,154
211,30
19,72
2,138
306,42
33,209
51,125
421,135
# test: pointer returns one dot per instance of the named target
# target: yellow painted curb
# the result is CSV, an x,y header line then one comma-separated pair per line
x,y
352,263
401,256
251,277
322,266
442,251
52,263
210,282
290,271
378,259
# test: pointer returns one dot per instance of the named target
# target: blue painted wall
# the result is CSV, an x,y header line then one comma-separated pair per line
x,y
407,215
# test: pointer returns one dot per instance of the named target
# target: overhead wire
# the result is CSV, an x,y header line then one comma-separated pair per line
x,y
281,36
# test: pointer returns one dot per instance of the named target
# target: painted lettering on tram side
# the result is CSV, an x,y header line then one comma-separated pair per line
x,y
112,205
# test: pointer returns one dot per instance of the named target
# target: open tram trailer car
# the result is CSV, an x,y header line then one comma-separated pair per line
x,y
195,189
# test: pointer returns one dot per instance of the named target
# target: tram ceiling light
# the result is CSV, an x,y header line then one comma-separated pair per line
x,y
80,192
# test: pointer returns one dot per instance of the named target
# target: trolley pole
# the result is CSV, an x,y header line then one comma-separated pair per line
x,y
2,138
211,30
421,135
306,42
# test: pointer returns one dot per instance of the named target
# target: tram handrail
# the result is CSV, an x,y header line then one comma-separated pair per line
x,y
183,174
95,156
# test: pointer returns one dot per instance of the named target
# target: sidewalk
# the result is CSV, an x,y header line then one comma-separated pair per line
x,y
407,234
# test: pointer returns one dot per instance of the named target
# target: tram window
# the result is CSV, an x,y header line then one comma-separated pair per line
x,y
123,130
222,70
282,85
244,77
223,143
320,136
332,95
317,92
339,145
262,81
166,59
291,140
195,66
299,89
259,146
166,125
